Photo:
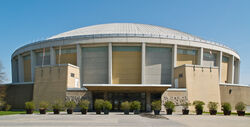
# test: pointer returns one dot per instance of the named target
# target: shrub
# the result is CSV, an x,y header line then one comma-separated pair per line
x,y
212,105
29,105
198,105
43,105
58,105
99,104
125,105
84,104
240,106
107,105
136,105
7,107
185,105
226,106
70,104
156,105
169,105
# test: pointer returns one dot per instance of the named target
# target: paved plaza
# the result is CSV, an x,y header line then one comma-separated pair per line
x,y
118,119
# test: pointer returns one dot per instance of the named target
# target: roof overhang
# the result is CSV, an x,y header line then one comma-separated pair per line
x,y
128,87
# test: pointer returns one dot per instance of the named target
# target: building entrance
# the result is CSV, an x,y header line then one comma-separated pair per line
x,y
117,98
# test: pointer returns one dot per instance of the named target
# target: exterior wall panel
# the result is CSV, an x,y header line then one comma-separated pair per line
x,y
67,56
224,69
126,65
40,59
95,65
209,59
158,66
27,69
186,56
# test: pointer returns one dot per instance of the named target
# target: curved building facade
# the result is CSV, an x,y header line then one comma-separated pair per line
x,y
126,60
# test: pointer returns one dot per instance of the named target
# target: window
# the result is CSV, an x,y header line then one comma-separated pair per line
x,y
72,75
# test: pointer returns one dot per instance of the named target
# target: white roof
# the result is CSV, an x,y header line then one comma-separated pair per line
x,y
125,28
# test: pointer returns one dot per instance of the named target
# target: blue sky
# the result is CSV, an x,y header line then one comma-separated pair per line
x,y
224,21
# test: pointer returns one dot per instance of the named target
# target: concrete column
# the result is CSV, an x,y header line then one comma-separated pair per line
x,y
200,56
219,63
20,69
52,56
110,62
143,63
174,61
148,101
238,75
231,70
79,61
32,64
13,69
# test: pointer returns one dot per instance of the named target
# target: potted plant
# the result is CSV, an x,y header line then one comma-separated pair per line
x,y
98,105
57,107
156,106
212,106
169,105
29,106
198,107
226,108
84,105
136,107
107,106
240,108
70,105
185,110
43,107
125,106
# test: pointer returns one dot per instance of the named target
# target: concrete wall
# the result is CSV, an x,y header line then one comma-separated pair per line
x,y
158,65
17,95
126,65
51,82
235,94
202,83
95,65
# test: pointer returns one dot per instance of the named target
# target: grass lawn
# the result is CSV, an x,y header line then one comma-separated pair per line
x,y
14,112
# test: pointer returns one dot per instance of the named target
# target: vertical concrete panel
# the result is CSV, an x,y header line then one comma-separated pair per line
x,y
95,65
158,68
27,69
67,56
224,69
14,64
209,59
126,65
39,58
186,56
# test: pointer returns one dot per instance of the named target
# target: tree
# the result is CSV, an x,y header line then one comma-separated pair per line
x,y
2,74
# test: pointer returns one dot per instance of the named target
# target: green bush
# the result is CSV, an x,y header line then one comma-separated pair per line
x,y
240,106
29,105
7,107
58,105
43,105
169,105
185,105
70,104
136,105
84,104
125,105
226,106
156,105
99,104
198,105
212,105
107,105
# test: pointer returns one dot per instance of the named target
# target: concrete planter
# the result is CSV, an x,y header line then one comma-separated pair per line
x,y
42,111
241,113
185,112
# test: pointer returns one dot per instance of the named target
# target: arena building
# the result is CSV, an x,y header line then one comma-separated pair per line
x,y
125,62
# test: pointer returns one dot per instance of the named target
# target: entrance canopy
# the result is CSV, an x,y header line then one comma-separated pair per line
x,y
128,87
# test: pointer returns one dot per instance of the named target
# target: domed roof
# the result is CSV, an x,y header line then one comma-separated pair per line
x,y
125,29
